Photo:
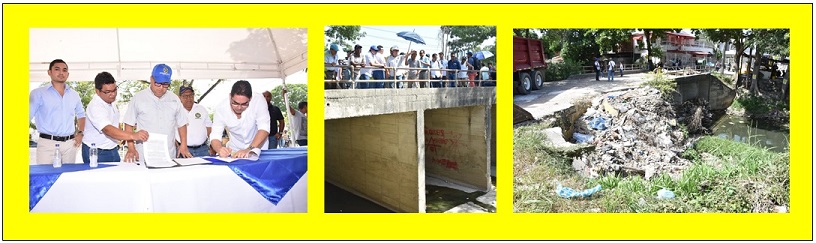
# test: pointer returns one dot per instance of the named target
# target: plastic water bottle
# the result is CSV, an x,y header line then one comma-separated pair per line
x,y
57,157
93,154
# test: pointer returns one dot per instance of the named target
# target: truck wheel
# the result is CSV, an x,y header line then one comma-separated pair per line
x,y
525,83
538,80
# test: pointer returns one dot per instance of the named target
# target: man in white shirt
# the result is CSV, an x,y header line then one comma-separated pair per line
x,y
102,123
159,112
436,74
372,63
199,126
299,121
396,61
246,118
330,61
610,70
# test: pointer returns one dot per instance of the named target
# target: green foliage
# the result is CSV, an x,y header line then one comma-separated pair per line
x,y
660,82
562,70
651,36
726,176
130,87
86,91
344,35
758,105
467,38
725,78
609,39
296,92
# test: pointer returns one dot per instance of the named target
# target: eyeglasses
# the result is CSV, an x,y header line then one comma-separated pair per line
x,y
236,104
107,92
165,85
188,96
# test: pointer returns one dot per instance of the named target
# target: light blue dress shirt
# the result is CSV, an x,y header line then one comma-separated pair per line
x,y
55,113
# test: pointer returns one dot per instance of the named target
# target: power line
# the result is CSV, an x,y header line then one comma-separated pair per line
x,y
394,32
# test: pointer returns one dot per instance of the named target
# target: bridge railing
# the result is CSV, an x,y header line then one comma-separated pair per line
x,y
349,78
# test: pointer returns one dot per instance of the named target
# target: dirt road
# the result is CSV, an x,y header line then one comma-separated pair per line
x,y
559,95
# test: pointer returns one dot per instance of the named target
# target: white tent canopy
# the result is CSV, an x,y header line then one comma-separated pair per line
x,y
194,53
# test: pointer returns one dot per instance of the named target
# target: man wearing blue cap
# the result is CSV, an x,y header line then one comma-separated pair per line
x,y
373,69
331,60
157,112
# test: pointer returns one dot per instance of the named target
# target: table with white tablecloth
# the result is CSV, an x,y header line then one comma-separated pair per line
x,y
276,182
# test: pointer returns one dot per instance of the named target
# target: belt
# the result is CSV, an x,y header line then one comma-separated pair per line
x,y
198,146
101,149
56,138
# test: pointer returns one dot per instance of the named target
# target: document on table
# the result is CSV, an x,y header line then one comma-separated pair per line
x,y
158,156
191,161
252,156
156,152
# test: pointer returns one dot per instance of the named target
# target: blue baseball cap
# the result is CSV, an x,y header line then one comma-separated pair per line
x,y
162,73
373,48
334,47
185,88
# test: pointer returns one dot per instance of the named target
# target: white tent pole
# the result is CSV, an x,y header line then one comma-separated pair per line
x,y
118,56
286,107
292,138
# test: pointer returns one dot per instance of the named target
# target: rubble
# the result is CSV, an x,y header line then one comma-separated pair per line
x,y
639,133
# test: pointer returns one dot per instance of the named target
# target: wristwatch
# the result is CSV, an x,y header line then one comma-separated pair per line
x,y
251,147
79,132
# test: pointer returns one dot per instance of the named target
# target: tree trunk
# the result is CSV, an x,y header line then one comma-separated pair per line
x,y
648,48
787,84
755,81
738,61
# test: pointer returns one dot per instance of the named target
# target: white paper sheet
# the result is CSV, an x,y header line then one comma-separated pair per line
x,y
252,156
156,153
191,161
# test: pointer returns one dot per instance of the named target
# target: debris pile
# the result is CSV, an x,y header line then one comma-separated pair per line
x,y
636,132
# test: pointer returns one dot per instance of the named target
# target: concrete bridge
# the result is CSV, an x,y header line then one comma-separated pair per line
x,y
705,86
381,143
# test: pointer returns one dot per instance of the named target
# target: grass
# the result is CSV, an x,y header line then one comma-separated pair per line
x,y
757,105
661,82
726,176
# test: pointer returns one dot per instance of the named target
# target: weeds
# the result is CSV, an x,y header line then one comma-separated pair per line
x,y
661,82
727,176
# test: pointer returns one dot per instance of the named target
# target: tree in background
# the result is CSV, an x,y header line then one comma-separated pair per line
x,y
344,35
128,88
768,41
651,35
468,38
609,40
297,93
737,37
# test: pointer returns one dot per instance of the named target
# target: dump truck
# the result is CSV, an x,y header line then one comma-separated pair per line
x,y
528,65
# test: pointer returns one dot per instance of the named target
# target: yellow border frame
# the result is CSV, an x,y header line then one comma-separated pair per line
x,y
18,223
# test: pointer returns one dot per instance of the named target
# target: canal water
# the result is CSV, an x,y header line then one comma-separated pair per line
x,y
438,199
752,132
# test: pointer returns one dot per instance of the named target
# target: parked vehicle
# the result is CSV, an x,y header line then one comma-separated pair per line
x,y
528,65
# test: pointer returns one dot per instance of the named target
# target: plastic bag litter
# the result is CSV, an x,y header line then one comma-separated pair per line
x,y
583,138
665,194
598,123
567,192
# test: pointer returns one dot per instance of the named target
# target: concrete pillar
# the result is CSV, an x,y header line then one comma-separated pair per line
x,y
376,158
457,144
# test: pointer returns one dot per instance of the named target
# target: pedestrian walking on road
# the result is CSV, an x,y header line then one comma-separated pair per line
x,y
621,69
